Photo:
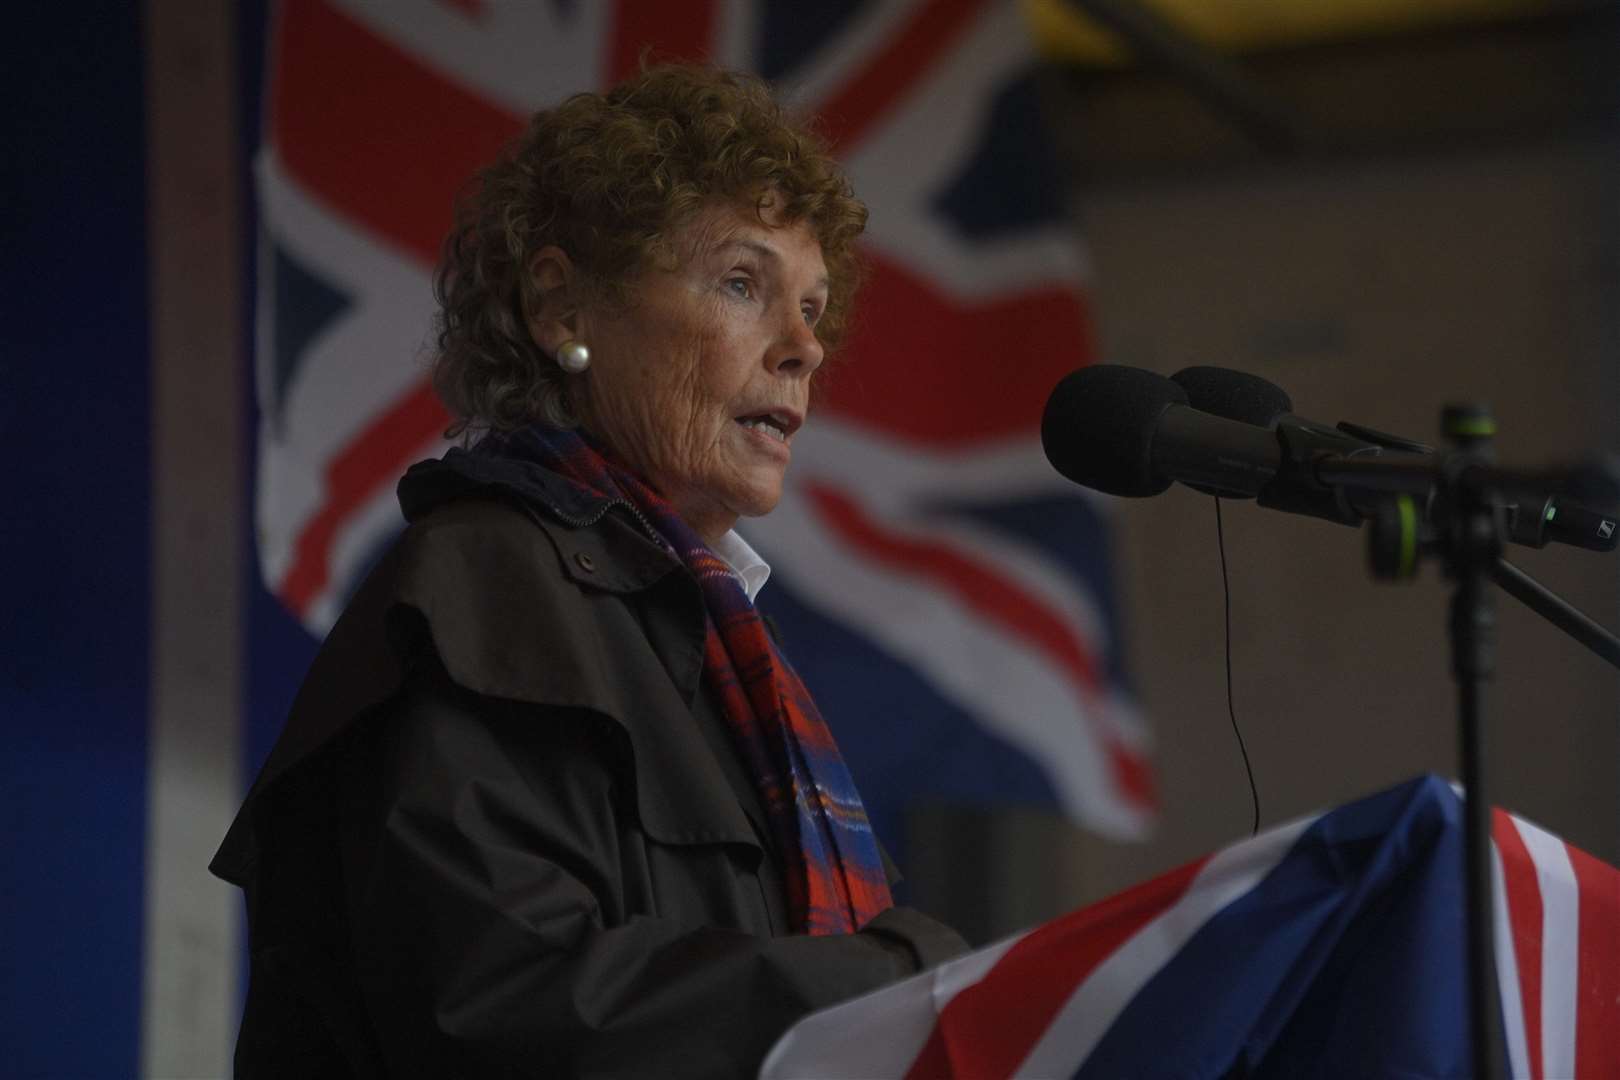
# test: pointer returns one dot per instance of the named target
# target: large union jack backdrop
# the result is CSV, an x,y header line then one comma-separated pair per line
x,y
1331,946
945,595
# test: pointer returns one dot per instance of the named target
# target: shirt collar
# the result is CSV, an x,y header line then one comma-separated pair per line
x,y
744,561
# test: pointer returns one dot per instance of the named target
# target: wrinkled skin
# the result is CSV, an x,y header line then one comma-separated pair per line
x,y
728,332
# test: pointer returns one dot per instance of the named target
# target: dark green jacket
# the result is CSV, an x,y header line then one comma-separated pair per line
x,y
505,832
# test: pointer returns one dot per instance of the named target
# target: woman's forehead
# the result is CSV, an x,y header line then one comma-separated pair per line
x,y
726,227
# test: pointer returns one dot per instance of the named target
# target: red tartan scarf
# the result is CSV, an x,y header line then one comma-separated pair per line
x,y
834,873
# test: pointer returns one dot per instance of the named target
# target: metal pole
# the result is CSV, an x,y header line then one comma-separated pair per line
x,y
1473,630
1472,537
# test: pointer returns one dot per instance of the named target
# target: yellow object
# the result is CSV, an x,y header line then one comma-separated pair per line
x,y
1063,32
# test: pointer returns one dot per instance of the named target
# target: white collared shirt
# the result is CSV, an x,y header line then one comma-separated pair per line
x,y
751,570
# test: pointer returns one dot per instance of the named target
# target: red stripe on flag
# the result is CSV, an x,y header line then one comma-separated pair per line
x,y
1525,918
683,31
996,598
1597,993
990,1027
936,370
893,71
371,132
377,455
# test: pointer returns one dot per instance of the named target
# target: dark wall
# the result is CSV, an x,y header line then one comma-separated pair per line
x,y
73,542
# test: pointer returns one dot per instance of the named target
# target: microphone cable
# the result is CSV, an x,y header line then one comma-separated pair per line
x,y
1231,710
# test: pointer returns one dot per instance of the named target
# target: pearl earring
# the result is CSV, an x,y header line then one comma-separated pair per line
x,y
573,357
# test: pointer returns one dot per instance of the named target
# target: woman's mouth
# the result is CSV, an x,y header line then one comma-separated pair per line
x,y
777,424
765,425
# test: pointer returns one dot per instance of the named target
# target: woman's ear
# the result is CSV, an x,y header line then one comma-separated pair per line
x,y
554,316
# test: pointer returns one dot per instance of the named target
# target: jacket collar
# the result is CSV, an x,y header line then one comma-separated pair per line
x,y
427,485
618,554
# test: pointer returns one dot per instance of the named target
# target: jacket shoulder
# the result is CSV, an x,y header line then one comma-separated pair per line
x,y
522,609
490,588
515,606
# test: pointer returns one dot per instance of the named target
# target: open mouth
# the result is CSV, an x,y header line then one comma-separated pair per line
x,y
775,425
764,425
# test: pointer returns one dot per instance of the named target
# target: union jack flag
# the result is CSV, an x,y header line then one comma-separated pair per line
x,y
943,592
1330,946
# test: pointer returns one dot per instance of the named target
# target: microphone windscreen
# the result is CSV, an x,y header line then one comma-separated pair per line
x,y
1235,395
1099,425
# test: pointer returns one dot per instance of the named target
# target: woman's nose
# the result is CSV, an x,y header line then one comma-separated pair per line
x,y
797,350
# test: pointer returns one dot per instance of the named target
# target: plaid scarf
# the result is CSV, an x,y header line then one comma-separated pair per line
x,y
834,874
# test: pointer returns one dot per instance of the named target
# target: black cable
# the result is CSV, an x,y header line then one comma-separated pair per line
x,y
1231,710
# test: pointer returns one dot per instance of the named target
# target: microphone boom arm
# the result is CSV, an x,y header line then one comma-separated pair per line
x,y
1414,475
1556,610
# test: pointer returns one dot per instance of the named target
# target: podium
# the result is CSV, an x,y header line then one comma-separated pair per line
x,y
1332,946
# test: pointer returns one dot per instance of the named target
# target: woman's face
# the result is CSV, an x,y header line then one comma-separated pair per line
x,y
701,378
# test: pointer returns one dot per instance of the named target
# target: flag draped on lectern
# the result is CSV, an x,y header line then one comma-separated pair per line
x,y
1330,946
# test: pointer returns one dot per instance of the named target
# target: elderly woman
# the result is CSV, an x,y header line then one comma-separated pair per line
x,y
550,801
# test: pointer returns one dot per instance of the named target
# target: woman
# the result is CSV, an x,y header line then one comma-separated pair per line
x,y
549,801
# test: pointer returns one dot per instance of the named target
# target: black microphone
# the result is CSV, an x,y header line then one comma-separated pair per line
x,y
1130,432
1236,395
1249,399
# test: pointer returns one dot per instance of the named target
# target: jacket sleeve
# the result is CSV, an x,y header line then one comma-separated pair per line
x,y
482,848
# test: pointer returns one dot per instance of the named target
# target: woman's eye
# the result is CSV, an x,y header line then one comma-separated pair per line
x,y
742,287
810,314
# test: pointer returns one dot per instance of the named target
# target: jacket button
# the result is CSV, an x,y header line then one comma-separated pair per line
x,y
586,563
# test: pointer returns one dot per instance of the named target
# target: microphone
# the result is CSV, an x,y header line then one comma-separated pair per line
x,y
1237,395
1130,432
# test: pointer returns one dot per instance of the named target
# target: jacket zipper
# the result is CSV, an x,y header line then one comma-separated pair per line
x,y
607,505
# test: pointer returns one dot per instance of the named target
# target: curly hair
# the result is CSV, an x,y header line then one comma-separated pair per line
x,y
609,178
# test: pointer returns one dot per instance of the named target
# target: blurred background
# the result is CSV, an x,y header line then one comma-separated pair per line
x,y
220,220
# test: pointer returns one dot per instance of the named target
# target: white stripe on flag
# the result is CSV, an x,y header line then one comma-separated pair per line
x,y
359,365
1100,999
880,1033
521,57
929,131
1507,973
1560,947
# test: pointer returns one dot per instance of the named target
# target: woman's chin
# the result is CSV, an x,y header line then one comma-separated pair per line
x,y
756,500
712,511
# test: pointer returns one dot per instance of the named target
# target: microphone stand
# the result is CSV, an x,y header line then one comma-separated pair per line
x,y
1466,490
1471,546
1450,504
1395,543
